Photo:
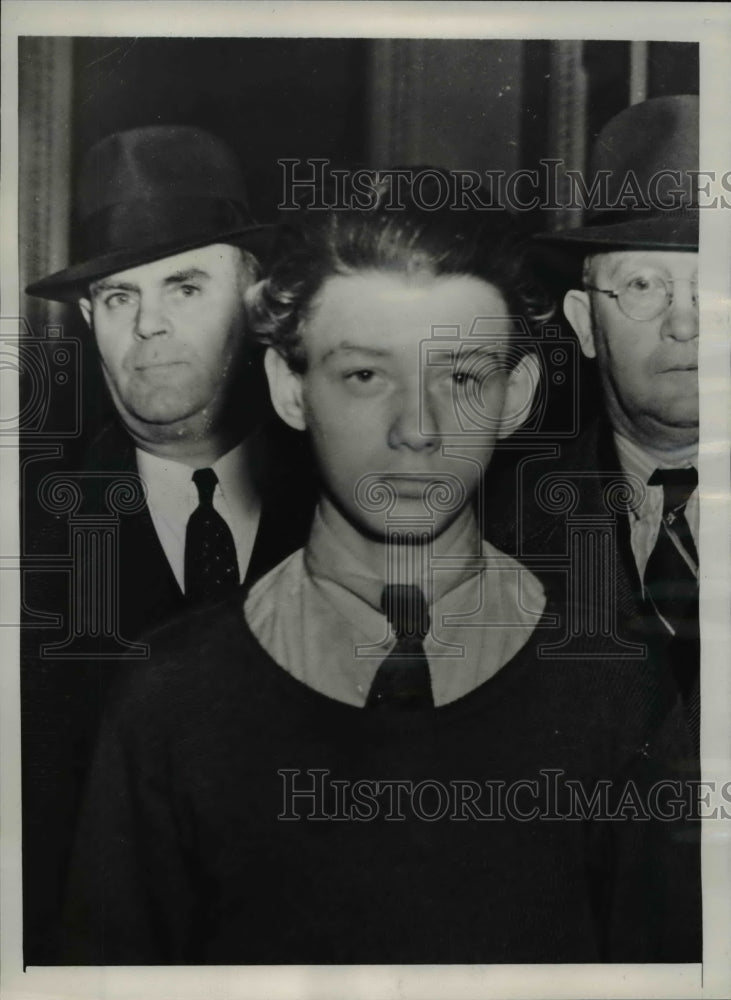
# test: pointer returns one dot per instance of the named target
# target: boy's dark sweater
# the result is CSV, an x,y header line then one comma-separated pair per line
x,y
184,855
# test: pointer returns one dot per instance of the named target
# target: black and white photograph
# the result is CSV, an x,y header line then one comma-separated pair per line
x,y
366,533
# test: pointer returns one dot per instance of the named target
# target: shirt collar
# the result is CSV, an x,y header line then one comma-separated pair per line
x,y
636,461
234,475
328,557
639,462
165,476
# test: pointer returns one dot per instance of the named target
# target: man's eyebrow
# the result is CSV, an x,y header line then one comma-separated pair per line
x,y
346,348
495,346
105,284
640,261
178,277
462,350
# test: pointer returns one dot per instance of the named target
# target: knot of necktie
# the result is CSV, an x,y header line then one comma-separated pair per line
x,y
677,484
405,607
205,481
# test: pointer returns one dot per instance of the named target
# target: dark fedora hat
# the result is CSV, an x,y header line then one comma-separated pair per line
x,y
149,193
643,175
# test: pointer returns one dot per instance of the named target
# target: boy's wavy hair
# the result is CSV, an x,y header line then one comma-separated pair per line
x,y
409,240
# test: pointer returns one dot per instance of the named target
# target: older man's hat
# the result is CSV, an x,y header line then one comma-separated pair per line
x,y
149,193
642,181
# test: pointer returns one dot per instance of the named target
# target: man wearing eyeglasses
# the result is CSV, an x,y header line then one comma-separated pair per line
x,y
638,316
635,312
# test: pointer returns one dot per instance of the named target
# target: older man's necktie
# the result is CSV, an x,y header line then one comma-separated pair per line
x,y
671,575
211,566
671,583
403,679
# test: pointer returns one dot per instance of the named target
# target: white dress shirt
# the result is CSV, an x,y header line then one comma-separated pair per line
x,y
172,497
318,615
646,519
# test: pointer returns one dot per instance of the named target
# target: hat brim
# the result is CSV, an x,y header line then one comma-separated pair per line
x,y
72,283
669,231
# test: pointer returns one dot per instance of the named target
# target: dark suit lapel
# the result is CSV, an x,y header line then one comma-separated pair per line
x,y
151,591
630,598
148,590
283,469
633,608
284,524
283,472
592,466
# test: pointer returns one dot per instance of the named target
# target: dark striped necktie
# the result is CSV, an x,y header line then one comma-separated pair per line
x,y
403,679
671,574
211,566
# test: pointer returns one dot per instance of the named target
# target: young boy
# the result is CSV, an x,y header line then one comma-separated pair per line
x,y
372,762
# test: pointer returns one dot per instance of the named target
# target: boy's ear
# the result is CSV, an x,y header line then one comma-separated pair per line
x,y
285,388
577,309
85,307
520,391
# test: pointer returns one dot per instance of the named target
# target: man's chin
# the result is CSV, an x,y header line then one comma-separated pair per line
x,y
163,405
165,424
171,419
677,409
679,420
671,429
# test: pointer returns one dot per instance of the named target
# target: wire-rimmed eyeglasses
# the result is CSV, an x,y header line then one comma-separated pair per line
x,y
643,298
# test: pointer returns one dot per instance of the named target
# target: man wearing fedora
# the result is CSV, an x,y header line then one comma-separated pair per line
x,y
634,309
167,250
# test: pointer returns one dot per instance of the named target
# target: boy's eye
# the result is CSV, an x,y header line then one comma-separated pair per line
x,y
361,376
472,376
364,381
188,291
476,369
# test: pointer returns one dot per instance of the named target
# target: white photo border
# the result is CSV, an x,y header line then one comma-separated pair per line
x,y
709,24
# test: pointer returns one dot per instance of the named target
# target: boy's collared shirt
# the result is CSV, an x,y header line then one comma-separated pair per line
x,y
318,615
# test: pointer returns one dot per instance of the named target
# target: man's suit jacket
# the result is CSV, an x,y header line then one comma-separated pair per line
x,y
530,515
149,594
62,699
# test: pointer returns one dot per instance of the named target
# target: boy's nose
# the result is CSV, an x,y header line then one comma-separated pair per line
x,y
415,424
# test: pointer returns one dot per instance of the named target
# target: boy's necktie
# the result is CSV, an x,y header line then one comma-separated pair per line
x,y
403,679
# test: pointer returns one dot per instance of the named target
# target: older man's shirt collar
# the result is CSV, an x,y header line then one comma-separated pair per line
x,y
645,518
172,497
